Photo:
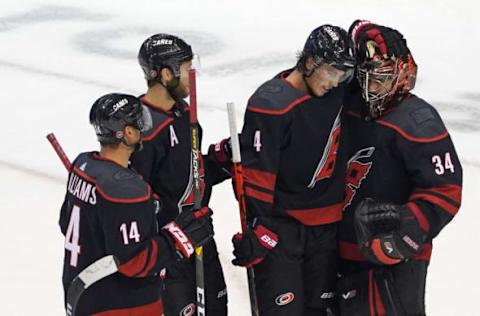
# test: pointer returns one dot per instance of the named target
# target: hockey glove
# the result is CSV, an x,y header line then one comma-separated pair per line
x,y
221,151
252,246
389,41
387,233
190,229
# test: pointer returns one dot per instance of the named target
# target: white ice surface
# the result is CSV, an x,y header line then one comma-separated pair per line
x,y
57,57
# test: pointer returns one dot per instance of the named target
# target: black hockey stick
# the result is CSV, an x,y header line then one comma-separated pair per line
x,y
239,192
98,270
197,198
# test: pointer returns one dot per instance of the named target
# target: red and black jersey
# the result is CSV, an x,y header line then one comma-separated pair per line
x,y
165,161
292,157
110,210
405,157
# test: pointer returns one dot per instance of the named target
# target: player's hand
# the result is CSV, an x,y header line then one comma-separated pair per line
x,y
251,247
390,42
388,233
190,229
221,151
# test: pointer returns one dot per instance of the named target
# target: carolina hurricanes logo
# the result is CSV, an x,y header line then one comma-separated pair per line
x,y
356,172
285,299
188,196
329,157
188,310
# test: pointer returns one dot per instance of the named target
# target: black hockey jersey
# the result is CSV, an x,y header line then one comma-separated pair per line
x,y
165,161
110,210
292,157
406,157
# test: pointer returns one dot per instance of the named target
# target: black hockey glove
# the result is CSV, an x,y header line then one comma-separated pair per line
x,y
252,246
190,229
390,41
221,151
387,233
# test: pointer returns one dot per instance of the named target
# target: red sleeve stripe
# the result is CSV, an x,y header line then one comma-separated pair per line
x,y
451,209
155,133
152,260
134,266
279,112
411,138
452,192
259,178
262,196
422,220
318,216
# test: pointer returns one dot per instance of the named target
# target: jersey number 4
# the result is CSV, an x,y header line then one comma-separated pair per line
x,y
72,236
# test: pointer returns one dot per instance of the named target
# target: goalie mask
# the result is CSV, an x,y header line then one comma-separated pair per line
x,y
384,81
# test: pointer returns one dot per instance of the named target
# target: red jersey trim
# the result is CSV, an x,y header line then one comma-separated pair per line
x,y
279,112
155,308
422,220
152,260
318,216
452,192
109,198
134,266
412,138
262,196
259,178
378,299
155,133
449,208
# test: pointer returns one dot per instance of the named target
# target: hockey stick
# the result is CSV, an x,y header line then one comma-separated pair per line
x,y
196,165
239,191
98,270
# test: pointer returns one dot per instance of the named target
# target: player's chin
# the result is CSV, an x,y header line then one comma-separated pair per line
x,y
321,92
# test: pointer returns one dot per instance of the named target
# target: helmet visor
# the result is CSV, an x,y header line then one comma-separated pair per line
x,y
144,120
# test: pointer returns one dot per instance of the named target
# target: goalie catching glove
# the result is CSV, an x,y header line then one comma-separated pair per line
x,y
252,246
387,233
190,229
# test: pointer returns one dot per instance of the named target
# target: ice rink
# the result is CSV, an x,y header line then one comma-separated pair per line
x,y
57,57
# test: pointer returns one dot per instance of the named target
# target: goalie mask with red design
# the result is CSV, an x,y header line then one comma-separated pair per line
x,y
384,81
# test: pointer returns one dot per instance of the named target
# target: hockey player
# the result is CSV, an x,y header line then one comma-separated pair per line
x,y
165,162
110,210
294,178
404,181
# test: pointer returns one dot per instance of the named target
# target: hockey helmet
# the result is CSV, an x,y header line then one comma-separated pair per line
x,y
331,45
111,113
163,51
384,80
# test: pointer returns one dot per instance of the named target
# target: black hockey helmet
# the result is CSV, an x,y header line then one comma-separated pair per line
x,y
163,51
331,45
111,113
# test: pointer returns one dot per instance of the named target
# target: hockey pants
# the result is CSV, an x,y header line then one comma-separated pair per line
x,y
179,291
298,277
397,290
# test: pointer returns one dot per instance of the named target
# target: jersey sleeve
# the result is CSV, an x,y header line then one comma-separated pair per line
x,y
261,141
131,235
436,174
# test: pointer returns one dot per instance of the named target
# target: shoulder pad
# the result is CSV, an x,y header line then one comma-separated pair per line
x,y
275,97
416,120
159,121
113,182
